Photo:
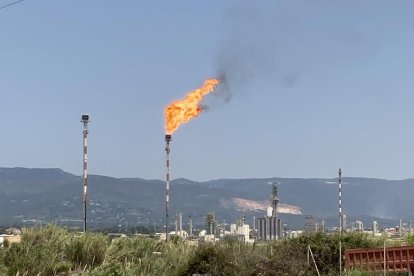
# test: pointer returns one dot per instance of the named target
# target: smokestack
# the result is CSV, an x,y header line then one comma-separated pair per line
x,y
176,224
191,227
181,223
254,223
85,121
167,181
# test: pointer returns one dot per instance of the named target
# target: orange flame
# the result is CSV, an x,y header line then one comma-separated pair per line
x,y
182,111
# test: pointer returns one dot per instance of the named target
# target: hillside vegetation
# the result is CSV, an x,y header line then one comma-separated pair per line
x,y
135,201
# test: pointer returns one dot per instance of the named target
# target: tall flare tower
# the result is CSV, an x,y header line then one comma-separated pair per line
x,y
85,121
167,181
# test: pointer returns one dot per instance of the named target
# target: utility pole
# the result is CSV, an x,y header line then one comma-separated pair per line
x,y
85,121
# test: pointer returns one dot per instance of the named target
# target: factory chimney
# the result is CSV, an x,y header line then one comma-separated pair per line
x,y
191,227
180,223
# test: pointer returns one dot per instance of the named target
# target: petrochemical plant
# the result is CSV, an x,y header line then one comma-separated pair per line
x,y
265,228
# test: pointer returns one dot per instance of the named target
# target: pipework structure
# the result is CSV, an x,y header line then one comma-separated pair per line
x,y
167,181
85,121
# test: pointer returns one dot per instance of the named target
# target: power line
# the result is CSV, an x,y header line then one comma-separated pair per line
x,y
11,4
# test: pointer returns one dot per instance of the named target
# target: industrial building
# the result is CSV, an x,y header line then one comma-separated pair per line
x,y
240,232
270,226
9,239
358,226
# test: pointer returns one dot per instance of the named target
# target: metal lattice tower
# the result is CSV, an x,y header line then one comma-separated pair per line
x,y
275,198
310,224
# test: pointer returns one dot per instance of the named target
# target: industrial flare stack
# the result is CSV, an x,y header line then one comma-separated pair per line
x,y
177,113
167,181
85,121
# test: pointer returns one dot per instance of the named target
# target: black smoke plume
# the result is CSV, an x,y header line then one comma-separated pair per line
x,y
247,54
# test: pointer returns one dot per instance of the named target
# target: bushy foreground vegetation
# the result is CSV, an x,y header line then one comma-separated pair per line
x,y
53,250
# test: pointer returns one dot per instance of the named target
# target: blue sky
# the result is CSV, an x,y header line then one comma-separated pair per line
x,y
329,84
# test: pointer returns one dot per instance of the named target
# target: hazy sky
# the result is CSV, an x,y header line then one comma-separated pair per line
x,y
316,85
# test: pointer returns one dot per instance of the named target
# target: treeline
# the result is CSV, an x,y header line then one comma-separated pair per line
x,y
53,250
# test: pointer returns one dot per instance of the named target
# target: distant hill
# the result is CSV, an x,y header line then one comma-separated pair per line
x,y
39,195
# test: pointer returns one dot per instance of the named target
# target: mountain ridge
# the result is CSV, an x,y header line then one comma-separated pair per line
x,y
53,194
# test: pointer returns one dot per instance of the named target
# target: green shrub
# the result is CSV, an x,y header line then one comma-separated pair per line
x,y
409,239
247,258
39,252
210,259
86,250
285,258
126,255
3,269
325,248
173,258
